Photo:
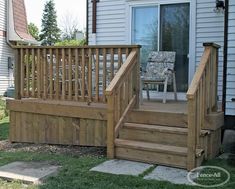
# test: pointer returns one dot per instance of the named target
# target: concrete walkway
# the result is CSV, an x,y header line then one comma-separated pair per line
x,y
29,172
161,173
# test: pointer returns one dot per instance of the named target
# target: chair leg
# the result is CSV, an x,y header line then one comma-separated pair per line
x,y
174,86
147,91
165,90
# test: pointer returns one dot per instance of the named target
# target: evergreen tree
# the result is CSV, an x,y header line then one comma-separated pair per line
x,y
50,32
34,31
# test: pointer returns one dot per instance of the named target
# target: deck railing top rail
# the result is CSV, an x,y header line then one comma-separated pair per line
x,y
77,47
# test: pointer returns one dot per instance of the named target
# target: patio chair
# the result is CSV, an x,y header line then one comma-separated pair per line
x,y
160,70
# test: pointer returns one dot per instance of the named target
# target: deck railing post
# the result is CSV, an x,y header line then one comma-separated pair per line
x,y
137,78
214,75
17,67
110,126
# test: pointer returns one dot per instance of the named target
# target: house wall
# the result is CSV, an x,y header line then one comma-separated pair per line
x,y
230,110
5,51
113,28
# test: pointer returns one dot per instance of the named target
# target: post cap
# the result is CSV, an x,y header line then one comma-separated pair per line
x,y
211,44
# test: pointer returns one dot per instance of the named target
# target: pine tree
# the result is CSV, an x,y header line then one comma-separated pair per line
x,y
50,32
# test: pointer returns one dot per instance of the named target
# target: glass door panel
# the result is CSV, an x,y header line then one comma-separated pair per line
x,y
174,36
145,30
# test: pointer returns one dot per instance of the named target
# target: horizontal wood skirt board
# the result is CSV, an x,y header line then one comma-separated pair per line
x,y
87,128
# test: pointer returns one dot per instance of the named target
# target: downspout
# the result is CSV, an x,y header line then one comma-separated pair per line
x,y
8,28
225,55
87,25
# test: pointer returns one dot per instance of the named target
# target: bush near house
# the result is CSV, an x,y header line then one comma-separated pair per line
x,y
71,43
3,111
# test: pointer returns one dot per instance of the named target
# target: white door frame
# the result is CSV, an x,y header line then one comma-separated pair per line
x,y
192,32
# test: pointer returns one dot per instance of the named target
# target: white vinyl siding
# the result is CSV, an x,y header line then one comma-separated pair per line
x,y
5,51
210,28
2,15
230,110
111,23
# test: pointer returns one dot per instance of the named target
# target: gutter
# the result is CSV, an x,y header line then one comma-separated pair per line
x,y
87,25
8,28
225,55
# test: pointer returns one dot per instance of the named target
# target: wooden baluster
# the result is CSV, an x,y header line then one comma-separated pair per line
x,y
127,52
112,62
27,73
83,75
45,77
76,74
17,74
63,74
70,74
199,117
119,57
57,85
51,74
39,72
33,72
22,83
104,73
90,75
97,76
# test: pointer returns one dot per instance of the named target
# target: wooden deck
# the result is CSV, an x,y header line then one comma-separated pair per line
x,y
89,96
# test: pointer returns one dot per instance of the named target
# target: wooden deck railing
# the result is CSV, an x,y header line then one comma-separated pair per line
x,y
202,98
67,73
122,95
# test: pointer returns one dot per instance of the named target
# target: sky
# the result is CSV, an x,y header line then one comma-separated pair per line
x,y
75,9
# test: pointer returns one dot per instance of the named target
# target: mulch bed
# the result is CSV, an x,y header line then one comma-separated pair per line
x,y
77,151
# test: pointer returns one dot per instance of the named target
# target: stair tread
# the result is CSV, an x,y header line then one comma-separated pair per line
x,y
148,146
160,128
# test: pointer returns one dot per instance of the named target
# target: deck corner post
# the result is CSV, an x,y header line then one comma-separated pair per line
x,y
192,140
110,127
17,72
138,90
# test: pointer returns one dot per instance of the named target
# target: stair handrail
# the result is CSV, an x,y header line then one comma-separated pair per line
x,y
202,98
122,95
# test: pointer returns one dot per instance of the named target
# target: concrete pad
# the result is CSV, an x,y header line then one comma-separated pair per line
x,y
229,141
30,172
122,167
225,156
173,175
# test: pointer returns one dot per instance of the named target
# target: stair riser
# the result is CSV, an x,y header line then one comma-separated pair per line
x,y
151,157
158,118
174,139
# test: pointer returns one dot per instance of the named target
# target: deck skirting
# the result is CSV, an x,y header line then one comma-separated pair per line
x,y
52,122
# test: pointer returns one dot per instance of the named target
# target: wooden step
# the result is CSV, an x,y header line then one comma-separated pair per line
x,y
174,119
153,153
176,136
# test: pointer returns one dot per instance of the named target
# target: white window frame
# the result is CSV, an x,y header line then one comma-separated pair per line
x,y
192,27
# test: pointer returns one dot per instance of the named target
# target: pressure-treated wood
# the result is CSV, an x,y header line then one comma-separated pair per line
x,y
202,99
71,124
118,109
67,73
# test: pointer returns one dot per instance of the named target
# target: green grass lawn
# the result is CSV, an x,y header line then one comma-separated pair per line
x,y
75,172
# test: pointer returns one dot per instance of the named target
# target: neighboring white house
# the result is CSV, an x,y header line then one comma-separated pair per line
x,y
13,30
179,25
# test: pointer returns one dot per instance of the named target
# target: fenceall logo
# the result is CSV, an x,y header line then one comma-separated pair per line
x,y
208,176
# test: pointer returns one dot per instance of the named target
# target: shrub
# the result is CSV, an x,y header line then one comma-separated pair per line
x,y
3,110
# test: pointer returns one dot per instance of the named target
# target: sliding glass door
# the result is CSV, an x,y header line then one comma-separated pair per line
x,y
165,28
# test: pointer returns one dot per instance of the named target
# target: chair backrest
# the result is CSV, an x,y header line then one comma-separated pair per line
x,y
158,62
